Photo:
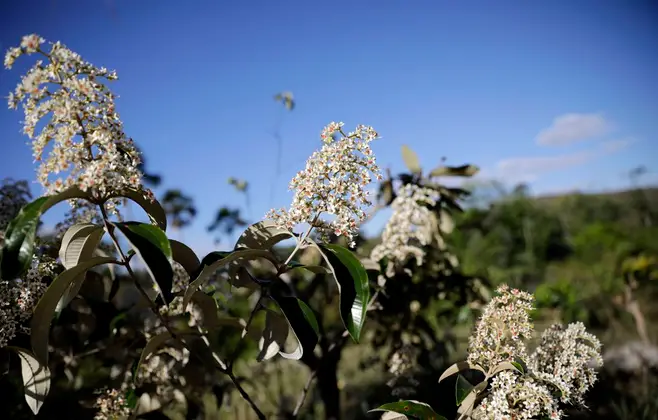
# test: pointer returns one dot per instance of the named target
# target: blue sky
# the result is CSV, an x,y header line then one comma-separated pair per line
x,y
561,94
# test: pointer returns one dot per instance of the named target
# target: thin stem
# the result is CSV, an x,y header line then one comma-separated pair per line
x,y
246,396
163,320
302,397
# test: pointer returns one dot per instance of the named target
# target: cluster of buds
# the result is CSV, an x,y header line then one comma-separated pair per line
x,y
333,184
83,128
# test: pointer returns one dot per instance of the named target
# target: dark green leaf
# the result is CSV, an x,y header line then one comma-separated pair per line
x,y
462,389
303,325
152,246
44,311
316,269
184,256
352,281
411,408
215,260
36,379
18,247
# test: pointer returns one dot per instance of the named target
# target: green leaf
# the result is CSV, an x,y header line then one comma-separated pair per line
x,y
44,311
463,170
78,244
353,286
315,269
184,256
462,388
36,379
18,247
209,310
153,208
303,325
458,367
262,235
152,246
213,261
411,159
273,336
415,409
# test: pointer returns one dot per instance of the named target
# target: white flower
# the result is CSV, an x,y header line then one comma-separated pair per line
x,y
333,183
501,329
410,227
82,126
571,356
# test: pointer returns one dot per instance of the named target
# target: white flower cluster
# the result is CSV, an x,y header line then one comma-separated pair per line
x,y
83,128
333,183
504,324
111,405
18,298
560,370
410,227
570,354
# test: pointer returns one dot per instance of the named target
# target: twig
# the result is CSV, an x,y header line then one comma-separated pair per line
x,y
302,397
246,396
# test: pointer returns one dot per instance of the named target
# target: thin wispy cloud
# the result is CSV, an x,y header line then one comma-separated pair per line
x,y
571,128
530,168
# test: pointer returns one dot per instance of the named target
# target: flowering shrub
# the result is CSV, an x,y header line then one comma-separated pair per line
x,y
96,167
515,384
101,167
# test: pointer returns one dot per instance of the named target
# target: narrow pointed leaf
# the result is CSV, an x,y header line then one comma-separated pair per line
x,y
463,170
303,325
458,367
411,408
78,244
262,235
411,159
316,269
152,207
152,246
215,260
507,366
184,256
353,286
462,389
44,311
36,379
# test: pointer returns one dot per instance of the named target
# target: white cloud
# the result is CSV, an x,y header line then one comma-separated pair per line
x,y
571,128
528,169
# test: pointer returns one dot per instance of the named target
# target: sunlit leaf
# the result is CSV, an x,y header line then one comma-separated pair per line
x,y
44,311
79,244
36,379
459,367
262,235
303,325
464,171
411,159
